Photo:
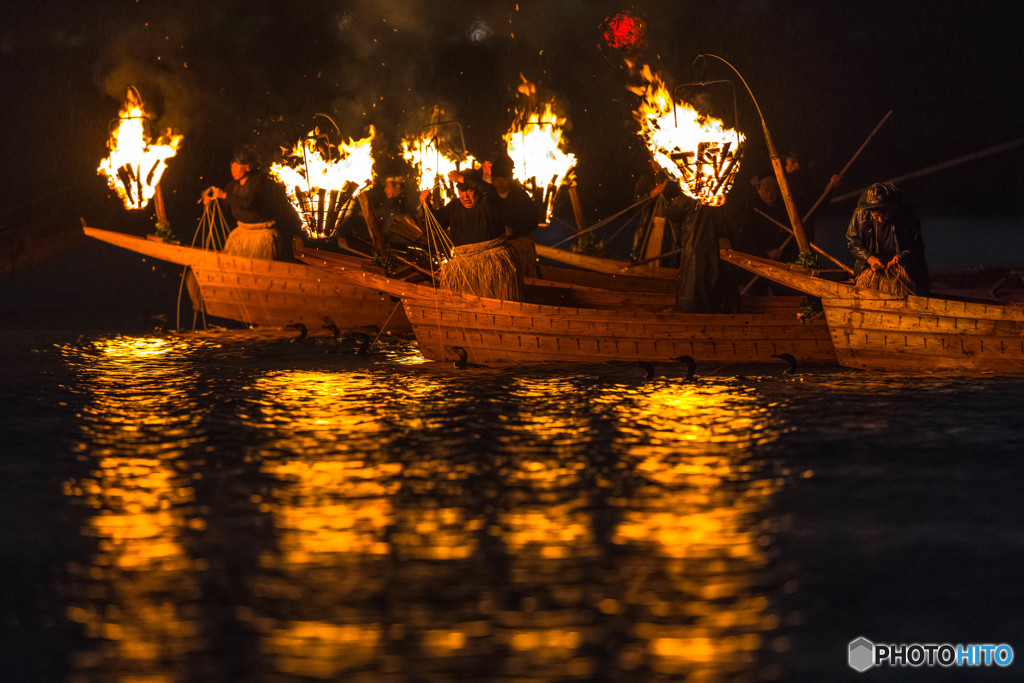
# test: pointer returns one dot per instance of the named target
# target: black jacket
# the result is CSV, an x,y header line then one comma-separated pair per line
x,y
899,235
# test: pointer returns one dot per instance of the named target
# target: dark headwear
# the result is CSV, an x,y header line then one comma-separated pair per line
x,y
245,155
881,196
471,178
502,166
796,156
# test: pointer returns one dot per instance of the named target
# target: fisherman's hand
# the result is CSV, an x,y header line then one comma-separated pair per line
x,y
875,263
834,181
659,188
423,196
895,261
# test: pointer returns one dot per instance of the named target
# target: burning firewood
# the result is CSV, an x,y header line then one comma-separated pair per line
x,y
321,178
695,149
535,142
136,161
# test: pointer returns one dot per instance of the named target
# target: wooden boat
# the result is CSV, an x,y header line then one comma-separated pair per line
x,y
583,324
270,293
876,331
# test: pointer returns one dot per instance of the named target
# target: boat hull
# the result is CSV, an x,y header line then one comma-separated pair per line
x,y
270,293
879,332
495,331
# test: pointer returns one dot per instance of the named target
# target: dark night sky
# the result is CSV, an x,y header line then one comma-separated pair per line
x,y
228,71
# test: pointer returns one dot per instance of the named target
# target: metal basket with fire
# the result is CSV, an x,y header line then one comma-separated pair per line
x,y
433,154
137,160
693,148
321,178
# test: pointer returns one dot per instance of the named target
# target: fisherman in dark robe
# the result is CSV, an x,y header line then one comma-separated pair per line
x,y
884,232
517,212
705,285
250,198
473,217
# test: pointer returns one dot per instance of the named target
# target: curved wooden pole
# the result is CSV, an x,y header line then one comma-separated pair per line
x,y
780,176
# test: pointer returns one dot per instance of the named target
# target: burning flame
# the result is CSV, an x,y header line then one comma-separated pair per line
x,y
433,159
536,145
135,163
697,150
320,179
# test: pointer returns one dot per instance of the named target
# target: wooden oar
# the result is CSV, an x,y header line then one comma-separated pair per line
x,y
839,176
824,194
940,167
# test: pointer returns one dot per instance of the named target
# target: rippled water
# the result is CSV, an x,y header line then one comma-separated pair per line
x,y
216,508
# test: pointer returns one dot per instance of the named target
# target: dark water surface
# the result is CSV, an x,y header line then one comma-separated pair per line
x,y
207,508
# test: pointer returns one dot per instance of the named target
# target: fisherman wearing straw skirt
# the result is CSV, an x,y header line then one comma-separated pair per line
x,y
481,263
518,214
248,196
473,217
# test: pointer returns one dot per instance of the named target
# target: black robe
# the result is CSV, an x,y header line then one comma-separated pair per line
x,y
705,286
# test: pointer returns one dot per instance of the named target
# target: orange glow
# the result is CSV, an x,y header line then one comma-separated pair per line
x,y
695,149
320,177
134,598
434,160
536,144
136,162
697,508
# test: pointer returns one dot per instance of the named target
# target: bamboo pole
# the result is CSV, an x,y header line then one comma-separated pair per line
x,y
845,168
577,209
820,200
780,175
379,245
815,247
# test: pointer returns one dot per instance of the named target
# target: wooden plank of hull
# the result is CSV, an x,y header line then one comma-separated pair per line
x,y
269,293
610,281
504,331
578,335
926,335
270,301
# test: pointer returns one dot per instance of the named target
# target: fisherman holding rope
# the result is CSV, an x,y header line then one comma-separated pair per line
x,y
473,217
249,196
884,237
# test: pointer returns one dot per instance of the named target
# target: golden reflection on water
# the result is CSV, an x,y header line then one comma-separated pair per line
x,y
341,519
695,513
135,598
625,520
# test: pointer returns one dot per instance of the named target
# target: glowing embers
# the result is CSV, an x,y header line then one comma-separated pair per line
x,y
320,179
695,149
136,161
623,31
536,144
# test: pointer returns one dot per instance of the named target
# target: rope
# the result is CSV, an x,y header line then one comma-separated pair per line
x,y
603,222
211,233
